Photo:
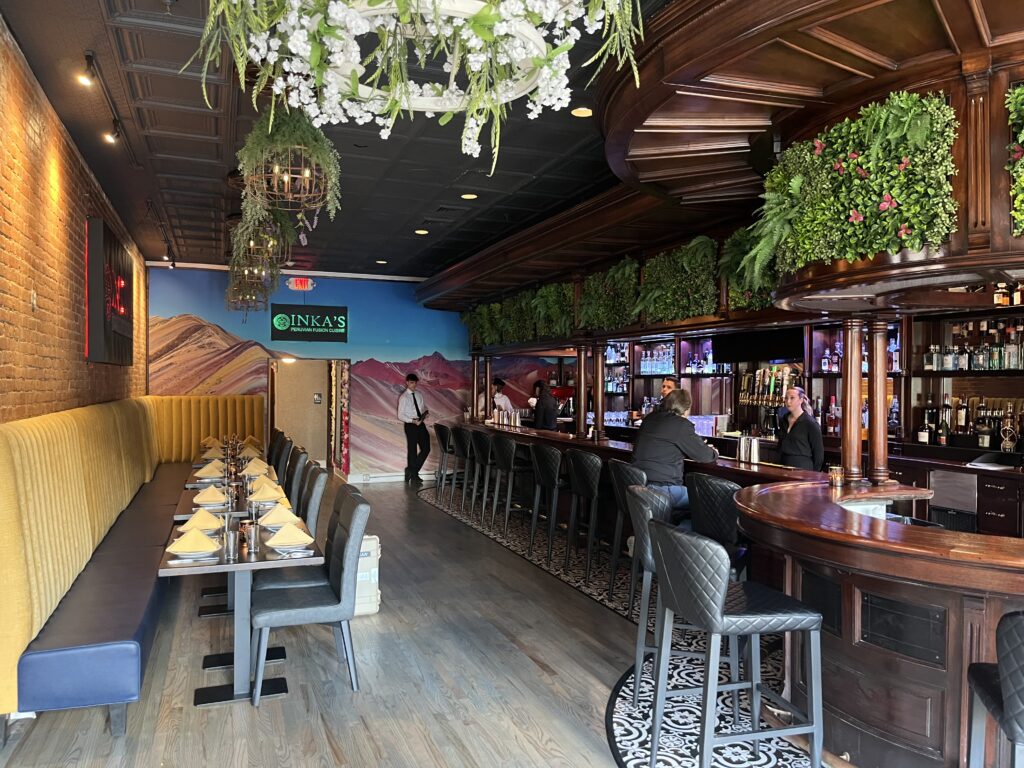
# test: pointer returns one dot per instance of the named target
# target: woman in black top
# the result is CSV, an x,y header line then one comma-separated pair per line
x,y
545,412
799,433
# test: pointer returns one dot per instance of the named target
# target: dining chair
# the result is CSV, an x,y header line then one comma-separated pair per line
x,y
333,603
284,454
312,495
306,576
294,487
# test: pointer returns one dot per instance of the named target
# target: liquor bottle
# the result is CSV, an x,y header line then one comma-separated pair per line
x,y
995,354
1008,431
818,415
983,428
947,410
979,358
924,432
948,360
942,433
931,416
837,358
961,416
929,360
864,420
894,418
1001,297
832,420
864,357
963,358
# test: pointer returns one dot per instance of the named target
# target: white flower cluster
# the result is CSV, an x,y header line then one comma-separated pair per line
x,y
316,58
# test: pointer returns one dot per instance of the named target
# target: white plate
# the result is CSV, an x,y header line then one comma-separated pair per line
x,y
181,529
210,504
195,555
292,548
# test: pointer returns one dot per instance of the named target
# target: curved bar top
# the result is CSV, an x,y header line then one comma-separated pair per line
x,y
807,519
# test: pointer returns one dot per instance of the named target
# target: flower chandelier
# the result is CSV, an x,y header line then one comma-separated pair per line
x,y
373,60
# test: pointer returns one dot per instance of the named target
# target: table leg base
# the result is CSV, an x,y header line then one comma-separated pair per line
x,y
227,660
218,591
225,694
212,611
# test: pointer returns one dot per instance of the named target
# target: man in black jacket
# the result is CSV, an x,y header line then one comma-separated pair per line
x,y
665,439
545,412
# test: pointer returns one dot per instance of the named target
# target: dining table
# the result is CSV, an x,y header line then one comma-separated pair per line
x,y
239,574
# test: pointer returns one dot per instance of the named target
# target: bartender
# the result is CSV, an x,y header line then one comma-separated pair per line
x,y
666,438
499,400
799,434
545,407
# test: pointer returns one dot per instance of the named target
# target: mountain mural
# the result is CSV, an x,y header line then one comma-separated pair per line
x,y
189,355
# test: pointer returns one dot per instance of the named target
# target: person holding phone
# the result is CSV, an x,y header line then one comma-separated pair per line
x,y
412,412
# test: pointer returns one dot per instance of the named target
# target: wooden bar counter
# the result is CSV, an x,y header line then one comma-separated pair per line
x,y
906,609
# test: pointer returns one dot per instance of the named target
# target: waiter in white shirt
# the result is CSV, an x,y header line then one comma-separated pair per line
x,y
412,412
499,401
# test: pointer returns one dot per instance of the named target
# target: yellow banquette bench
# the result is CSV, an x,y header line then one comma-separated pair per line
x,y
87,498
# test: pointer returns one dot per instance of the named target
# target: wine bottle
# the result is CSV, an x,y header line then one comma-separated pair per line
x,y
961,416
832,420
942,433
931,417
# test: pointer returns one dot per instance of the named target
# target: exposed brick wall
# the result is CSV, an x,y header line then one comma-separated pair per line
x,y
46,193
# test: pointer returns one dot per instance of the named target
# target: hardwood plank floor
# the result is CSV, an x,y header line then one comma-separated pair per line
x,y
477,658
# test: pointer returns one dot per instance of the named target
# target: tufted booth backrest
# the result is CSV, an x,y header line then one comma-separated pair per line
x,y
64,479
182,421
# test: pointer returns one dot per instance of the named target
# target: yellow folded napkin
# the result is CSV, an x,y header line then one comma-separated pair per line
x,y
272,474
194,541
249,452
250,440
211,495
210,470
279,515
267,494
213,453
289,536
262,482
283,501
255,467
211,442
202,521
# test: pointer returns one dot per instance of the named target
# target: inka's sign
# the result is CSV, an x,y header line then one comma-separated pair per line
x,y
307,322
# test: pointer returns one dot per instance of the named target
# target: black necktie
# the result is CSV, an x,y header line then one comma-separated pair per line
x,y
416,406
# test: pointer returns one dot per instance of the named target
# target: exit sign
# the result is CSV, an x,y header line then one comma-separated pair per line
x,y
301,283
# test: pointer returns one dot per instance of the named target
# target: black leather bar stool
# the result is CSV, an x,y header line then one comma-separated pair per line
x,y
646,504
998,690
547,460
714,514
482,460
584,479
444,443
506,464
623,475
693,581
463,445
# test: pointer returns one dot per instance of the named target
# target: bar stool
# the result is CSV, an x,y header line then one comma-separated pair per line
x,y
584,478
444,442
482,460
714,514
623,476
998,689
547,460
463,447
506,464
646,504
693,579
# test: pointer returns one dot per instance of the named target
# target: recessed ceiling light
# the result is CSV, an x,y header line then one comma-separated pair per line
x,y
468,196
582,112
382,261
422,231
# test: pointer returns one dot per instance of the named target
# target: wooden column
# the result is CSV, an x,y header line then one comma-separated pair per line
x,y
488,403
878,442
850,438
581,390
474,394
598,385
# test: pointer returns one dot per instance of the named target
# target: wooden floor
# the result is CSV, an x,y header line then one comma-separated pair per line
x,y
477,658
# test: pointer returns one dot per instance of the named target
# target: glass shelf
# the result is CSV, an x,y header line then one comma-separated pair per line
x,y
1011,373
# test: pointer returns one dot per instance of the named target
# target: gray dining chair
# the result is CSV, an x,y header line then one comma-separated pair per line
x,y
281,463
312,496
306,576
296,473
333,603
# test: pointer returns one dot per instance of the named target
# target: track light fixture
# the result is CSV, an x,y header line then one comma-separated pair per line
x,y
112,136
87,76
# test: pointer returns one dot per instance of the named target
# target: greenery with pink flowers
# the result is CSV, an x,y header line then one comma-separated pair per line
x,y
879,183
1015,164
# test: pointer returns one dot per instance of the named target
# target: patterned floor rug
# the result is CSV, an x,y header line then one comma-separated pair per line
x,y
628,727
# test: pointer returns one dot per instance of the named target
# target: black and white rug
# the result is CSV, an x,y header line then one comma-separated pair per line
x,y
628,727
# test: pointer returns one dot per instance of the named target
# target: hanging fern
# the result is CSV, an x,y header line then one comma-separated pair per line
x,y
680,283
553,310
1015,165
734,250
609,298
517,318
